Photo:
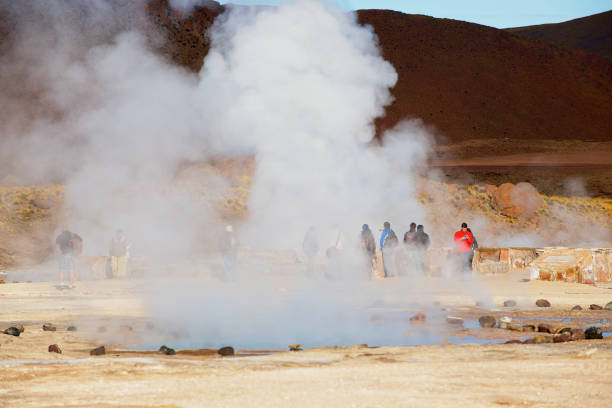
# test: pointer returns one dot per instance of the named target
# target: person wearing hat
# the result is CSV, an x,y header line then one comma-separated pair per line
x,y
463,245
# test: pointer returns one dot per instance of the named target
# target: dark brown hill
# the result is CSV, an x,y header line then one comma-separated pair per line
x,y
468,80
478,82
591,33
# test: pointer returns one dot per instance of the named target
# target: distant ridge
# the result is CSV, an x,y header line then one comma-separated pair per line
x,y
591,33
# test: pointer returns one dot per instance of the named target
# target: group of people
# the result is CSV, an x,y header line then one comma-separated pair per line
x,y
70,245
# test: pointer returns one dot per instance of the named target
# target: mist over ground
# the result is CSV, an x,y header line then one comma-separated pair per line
x,y
115,123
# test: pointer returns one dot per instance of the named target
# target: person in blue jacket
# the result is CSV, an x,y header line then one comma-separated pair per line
x,y
388,241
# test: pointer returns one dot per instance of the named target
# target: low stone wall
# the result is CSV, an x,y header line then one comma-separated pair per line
x,y
553,264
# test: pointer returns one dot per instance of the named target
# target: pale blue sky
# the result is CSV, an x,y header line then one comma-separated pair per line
x,y
500,14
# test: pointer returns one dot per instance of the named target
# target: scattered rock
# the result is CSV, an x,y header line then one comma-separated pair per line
x,y
514,327
44,203
49,327
577,334
491,189
12,331
71,328
295,347
528,328
54,348
608,306
562,337
543,339
20,328
509,303
504,322
595,307
542,303
228,351
101,329
562,329
487,321
530,340
98,351
166,351
593,333
577,307
545,328
521,200
513,341
418,318
454,320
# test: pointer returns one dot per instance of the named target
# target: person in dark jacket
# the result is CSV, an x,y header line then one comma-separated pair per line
x,y
367,241
70,245
421,243
119,253
409,236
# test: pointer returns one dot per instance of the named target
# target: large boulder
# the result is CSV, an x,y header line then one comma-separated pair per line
x,y
521,200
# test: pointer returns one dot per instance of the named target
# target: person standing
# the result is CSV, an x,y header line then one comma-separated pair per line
x,y
119,253
421,244
409,266
310,247
463,246
367,242
228,246
70,245
388,242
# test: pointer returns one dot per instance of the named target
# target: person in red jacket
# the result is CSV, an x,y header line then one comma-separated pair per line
x,y
463,245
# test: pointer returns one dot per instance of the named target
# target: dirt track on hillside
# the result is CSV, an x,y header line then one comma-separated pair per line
x,y
541,375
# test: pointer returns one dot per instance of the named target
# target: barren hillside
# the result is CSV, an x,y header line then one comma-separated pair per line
x,y
591,33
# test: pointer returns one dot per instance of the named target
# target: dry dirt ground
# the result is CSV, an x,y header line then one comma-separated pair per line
x,y
538,375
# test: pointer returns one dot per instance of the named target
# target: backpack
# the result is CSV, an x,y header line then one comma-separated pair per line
x,y
391,240
77,244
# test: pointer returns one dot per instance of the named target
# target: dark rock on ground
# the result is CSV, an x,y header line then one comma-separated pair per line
x,y
593,333
487,321
562,329
595,307
418,318
54,348
543,339
542,303
226,351
562,337
545,328
20,328
509,303
12,331
98,351
49,327
608,306
71,328
577,307
577,334
454,320
513,341
528,328
530,340
166,351
295,347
